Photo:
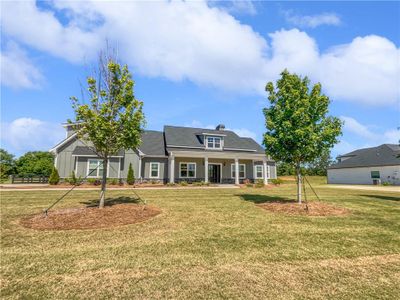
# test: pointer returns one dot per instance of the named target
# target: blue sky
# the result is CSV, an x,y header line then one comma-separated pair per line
x,y
201,63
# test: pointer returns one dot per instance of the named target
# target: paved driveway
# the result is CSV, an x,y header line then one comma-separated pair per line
x,y
365,187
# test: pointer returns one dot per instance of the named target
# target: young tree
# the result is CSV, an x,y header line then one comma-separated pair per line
x,y
7,164
113,119
54,177
131,177
298,128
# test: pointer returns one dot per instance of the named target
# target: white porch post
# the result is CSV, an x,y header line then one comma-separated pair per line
x,y
140,168
206,169
172,169
265,166
236,171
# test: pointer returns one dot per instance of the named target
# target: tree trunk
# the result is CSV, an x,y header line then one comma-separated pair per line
x,y
298,173
103,184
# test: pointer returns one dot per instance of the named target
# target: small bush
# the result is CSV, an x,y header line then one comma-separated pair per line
x,y
246,181
154,181
72,180
277,181
249,185
54,177
171,184
183,183
386,183
94,181
112,181
130,179
259,183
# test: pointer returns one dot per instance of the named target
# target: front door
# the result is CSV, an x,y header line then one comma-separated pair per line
x,y
214,173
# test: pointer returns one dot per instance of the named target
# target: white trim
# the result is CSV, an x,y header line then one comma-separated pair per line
x,y
140,167
76,166
220,176
97,171
188,147
55,161
54,149
154,156
219,155
212,134
189,162
239,149
239,171
94,155
158,169
213,142
255,172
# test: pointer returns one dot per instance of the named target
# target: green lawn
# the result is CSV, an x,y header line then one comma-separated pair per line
x,y
207,243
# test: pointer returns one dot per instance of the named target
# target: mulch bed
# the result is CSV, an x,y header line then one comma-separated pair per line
x,y
315,208
91,217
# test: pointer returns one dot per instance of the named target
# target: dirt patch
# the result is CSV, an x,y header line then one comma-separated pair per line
x,y
91,217
315,208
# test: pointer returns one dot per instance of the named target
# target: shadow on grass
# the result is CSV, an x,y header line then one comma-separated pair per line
x,y
111,201
380,197
257,199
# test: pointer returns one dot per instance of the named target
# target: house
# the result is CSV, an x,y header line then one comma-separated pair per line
x,y
368,166
172,155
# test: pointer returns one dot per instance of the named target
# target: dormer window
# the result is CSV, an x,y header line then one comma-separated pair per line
x,y
214,142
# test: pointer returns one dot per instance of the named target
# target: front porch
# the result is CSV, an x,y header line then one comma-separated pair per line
x,y
217,168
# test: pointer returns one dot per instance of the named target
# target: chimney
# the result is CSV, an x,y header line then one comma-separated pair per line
x,y
220,127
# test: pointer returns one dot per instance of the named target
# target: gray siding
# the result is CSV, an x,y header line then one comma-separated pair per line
x,y
163,173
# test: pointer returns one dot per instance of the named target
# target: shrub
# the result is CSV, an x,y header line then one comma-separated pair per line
x,y
94,181
246,181
72,179
154,181
249,185
54,177
386,183
277,181
112,181
130,179
259,183
183,183
171,184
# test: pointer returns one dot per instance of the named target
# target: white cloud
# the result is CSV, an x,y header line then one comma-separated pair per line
x,y
27,134
364,136
183,40
236,6
314,20
17,71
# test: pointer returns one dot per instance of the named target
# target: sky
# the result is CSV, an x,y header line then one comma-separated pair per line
x,y
201,63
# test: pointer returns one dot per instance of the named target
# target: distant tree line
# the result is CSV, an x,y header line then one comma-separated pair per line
x,y
318,167
37,163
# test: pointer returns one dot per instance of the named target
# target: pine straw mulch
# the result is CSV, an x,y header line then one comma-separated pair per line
x,y
315,208
90,217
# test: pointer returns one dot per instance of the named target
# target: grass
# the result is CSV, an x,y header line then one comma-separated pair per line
x,y
211,243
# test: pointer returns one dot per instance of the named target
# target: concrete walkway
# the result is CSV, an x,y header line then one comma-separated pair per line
x,y
46,187
376,188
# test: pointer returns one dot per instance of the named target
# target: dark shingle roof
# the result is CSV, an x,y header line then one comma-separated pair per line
x,y
86,151
383,155
191,137
153,143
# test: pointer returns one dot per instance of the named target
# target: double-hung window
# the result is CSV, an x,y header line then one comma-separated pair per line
x,y
154,170
258,171
242,171
187,170
214,142
95,168
375,175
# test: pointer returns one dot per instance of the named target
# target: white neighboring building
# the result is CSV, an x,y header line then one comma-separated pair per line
x,y
367,166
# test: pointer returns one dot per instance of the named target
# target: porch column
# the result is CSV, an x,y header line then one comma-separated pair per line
x,y
172,169
236,171
140,168
206,169
265,166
